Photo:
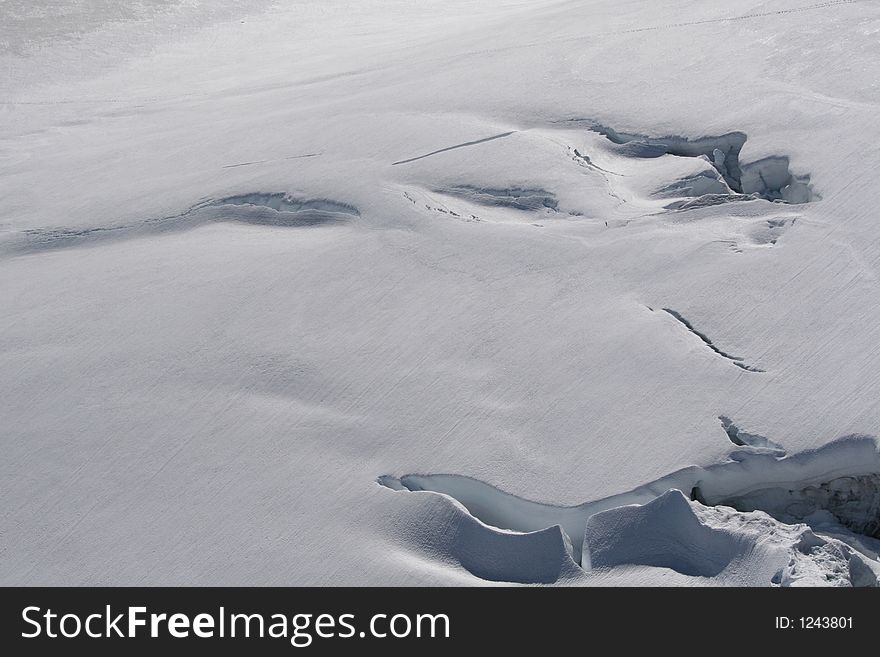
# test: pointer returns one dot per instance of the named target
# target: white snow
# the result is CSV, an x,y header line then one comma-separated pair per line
x,y
254,256
732,548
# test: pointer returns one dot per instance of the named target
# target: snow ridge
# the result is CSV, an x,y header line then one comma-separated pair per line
x,y
732,506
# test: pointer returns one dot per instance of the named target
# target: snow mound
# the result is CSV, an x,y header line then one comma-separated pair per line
x,y
496,508
746,517
698,541
666,533
491,553
541,557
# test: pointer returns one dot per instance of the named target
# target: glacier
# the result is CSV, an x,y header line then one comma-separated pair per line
x,y
590,287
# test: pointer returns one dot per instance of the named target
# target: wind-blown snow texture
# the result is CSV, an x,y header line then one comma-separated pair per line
x,y
611,266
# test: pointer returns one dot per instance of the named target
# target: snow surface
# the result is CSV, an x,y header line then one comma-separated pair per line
x,y
257,256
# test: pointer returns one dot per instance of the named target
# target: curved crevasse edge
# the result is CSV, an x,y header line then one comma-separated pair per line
x,y
750,440
257,208
769,178
283,203
793,489
518,198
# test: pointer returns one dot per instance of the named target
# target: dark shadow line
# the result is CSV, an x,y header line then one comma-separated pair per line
x,y
736,360
452,148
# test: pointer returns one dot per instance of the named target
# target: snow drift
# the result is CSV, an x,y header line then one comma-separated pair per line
x,y
654,525
254,254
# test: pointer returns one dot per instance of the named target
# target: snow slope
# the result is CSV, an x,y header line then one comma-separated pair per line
x,y
256,257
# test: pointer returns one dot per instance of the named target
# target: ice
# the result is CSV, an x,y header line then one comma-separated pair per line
x,y
672,532
834,487
254,255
